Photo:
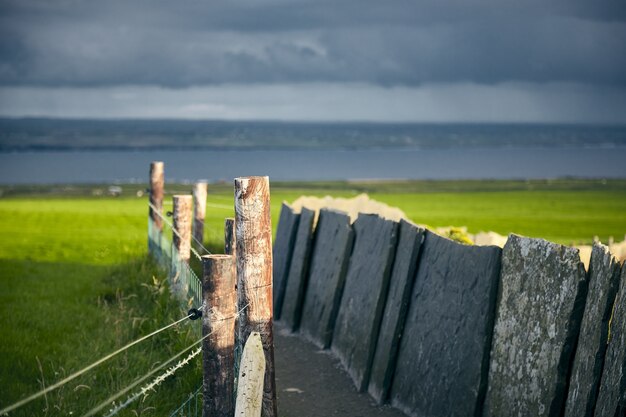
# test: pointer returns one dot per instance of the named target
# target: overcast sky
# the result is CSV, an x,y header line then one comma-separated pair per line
x,y
391,60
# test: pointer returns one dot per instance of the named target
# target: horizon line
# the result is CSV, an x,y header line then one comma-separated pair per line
x,y
311,122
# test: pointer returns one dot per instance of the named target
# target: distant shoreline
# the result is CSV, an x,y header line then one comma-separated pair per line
x,y
504,163
41,134
137,189
9,150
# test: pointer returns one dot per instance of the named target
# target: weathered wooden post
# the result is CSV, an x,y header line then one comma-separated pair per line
x,y
230,248
156,192
199,210
254,273
182,225
218,322
181,238
156,200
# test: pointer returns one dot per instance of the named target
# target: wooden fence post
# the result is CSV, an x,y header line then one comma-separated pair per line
x,y
182,224
218,322
156,192
181,239
253,228
199,211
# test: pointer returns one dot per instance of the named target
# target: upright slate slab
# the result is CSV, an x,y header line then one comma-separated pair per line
x,y
281,253
364,296
297,277
444,351
612,396
329,262
400,284
540,306
604,272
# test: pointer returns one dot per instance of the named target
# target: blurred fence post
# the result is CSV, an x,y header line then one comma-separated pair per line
x,y
218,325
182,225
254,274
156,200
230,246
199,211
181,238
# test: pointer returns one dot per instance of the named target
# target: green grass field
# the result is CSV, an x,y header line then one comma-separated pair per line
x,y
76,282
76,285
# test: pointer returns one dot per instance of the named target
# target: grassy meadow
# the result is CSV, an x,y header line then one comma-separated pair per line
x,y
77,284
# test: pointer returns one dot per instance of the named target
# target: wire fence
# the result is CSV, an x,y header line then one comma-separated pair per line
x,y
191,407
186,285
143,392
183,282
88,368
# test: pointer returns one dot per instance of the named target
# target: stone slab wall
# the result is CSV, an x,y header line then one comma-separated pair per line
x,y
443,358
329,262
400,284
540,306
604,272
281,253
612,396
444,329
365,293
298,275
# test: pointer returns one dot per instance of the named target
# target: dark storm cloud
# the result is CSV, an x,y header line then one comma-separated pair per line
x,y
191,43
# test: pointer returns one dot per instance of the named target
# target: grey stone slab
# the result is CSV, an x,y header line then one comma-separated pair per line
x,y
443,358
612,396
327,274
365,293
540,306
281,253
298,275
604,272
400,284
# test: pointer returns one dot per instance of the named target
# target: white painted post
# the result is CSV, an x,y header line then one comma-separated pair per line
x,y
249,401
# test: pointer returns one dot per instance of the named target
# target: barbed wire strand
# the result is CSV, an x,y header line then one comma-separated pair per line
x,y
157,211
156,382
141,379
87,368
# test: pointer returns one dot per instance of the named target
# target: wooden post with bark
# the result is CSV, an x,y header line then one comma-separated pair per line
x,y
230,248
218,325
156,200
254,274
156,193
181,239
199,210
181,236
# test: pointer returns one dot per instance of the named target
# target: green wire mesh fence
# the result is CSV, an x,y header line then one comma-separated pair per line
x,y
183,280
186,285
191,407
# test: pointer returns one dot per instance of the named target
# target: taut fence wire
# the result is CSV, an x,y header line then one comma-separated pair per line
x,y
88,368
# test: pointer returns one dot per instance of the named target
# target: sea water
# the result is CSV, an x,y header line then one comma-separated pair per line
x,y
47,167
40,151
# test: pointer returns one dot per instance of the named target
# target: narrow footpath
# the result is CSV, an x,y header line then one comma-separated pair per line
x,y
311,382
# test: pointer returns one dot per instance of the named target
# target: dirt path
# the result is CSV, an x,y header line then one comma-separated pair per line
x,y
311,382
